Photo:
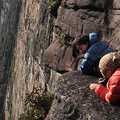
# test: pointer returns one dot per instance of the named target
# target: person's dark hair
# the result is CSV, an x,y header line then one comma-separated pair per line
x,y
80,40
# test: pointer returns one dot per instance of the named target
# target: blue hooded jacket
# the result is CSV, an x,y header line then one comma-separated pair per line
x,y
97,49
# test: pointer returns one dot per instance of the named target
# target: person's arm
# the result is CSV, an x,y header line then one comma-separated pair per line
x,y
86,67
88,63
111,94
101,91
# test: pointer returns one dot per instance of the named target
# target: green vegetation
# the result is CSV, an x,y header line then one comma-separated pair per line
x,y
53,6
37,105
65,39
63,36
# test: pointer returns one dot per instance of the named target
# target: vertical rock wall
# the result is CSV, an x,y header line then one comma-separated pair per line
x,y
9,17
25,32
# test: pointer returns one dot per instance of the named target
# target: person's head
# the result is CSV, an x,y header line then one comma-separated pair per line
x,y
109,63
81,44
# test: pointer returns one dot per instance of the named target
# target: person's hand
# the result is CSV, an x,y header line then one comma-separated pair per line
x,y
93,86
103,81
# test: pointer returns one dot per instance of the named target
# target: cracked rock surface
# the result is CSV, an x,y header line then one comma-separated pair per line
x,y
75,101
77,17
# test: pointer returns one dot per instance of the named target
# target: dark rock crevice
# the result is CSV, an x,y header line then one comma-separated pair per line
x,y
108,6
92,8
89,7
53,6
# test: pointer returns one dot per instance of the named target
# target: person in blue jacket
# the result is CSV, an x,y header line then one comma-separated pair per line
x,y
93,49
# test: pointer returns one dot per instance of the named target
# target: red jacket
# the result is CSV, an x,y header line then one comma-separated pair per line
x,y
110,93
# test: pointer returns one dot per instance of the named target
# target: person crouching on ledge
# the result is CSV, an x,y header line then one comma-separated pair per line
x,y
93,49
110,69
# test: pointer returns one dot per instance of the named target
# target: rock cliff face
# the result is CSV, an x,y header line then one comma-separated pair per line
x,y
81,17
74,100
26,30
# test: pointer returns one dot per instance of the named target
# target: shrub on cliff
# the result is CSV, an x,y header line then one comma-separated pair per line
x,y
37,105
53,6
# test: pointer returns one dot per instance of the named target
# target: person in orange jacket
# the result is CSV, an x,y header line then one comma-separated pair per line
x,y
110,69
